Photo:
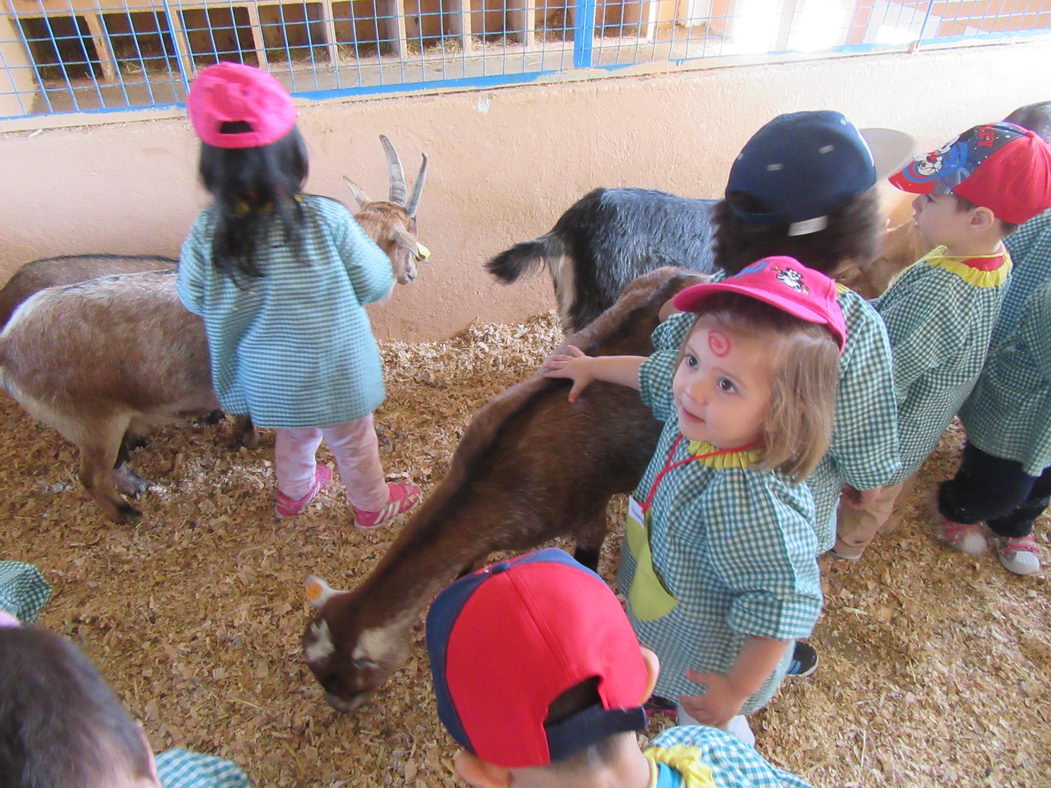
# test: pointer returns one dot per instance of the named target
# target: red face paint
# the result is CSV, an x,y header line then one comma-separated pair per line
x,y
719,343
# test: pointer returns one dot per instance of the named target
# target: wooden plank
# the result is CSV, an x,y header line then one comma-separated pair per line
x,y
460,22
521,15
103,48
392,25
330,31
257,34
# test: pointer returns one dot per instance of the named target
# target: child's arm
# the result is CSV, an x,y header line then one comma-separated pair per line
x,y
583,369
192,263
727,692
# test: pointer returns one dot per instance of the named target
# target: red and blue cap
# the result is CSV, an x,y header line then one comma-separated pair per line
x,y
782,282
1000,166
506,641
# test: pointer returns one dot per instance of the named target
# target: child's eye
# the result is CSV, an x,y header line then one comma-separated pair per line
x,y
690,361
727,385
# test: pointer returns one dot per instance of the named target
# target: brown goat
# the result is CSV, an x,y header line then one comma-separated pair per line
x,y
530,467
110,354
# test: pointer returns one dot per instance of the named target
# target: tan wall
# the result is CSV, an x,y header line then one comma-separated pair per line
x,y
504,163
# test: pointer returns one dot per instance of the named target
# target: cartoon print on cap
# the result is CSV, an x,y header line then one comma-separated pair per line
x,y
792,278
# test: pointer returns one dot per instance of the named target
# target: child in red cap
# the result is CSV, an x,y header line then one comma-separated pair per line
x,y
281,279
720,557
539,677
940,312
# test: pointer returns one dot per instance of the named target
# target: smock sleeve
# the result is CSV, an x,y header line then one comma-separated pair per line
x,y
657,372
764,549
367,266
195,260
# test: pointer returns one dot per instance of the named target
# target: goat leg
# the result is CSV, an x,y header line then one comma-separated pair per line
x,y
98,459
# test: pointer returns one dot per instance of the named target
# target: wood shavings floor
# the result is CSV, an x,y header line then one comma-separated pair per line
x,y
935,666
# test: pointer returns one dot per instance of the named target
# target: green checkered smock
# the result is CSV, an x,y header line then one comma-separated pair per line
x,y
294,349
179,768
864,451
1008,414
23,590
735,547
940,314
733,764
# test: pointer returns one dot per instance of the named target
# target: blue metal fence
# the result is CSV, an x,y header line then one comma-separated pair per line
x,y
59,56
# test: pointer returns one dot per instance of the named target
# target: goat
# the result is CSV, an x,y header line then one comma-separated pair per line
x,y
70,269
606,239
57,354
530,467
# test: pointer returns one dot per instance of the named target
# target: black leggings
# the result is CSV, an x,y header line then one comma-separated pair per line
x,y
996,491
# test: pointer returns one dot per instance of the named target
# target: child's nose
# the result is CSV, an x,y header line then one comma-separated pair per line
x,y
917,203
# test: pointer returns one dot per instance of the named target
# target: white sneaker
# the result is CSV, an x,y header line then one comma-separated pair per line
x,y
1020,555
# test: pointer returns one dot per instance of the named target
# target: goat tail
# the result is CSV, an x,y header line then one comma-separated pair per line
x,y
523,258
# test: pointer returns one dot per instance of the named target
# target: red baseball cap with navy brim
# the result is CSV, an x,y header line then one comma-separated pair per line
x,y
507,640
782,282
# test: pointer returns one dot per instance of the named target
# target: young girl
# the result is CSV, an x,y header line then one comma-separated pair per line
x,y
281,279
720,566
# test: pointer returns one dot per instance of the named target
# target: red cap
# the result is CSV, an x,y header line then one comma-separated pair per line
x,y
1000,166
783,282
507,640
231,92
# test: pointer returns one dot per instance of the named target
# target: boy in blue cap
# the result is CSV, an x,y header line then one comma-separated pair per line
x,y
539,677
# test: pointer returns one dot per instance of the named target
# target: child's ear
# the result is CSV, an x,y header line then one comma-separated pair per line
x,y
653,668
982,218
479,773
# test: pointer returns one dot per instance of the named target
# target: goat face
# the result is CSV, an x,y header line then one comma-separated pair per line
x,y
348,657
394,231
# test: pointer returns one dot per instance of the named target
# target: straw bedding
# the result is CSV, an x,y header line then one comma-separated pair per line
x,y
935,666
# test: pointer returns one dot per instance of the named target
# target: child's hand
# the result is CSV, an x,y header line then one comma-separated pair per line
x,y
573,364
719,704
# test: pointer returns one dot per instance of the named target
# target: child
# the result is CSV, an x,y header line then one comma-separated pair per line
x,y
1005,475
61,725
720,564
281,279
540,679
940,311
804,186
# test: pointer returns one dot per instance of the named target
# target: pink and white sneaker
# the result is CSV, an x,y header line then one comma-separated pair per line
x,y
287,507
1019,554
400,498
967,538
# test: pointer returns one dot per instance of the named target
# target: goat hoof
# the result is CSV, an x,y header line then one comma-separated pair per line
x,y
127,515
214,417
135,442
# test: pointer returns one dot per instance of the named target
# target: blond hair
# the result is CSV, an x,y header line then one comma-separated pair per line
x,y
797,428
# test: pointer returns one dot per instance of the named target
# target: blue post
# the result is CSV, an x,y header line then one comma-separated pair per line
x,y
583,33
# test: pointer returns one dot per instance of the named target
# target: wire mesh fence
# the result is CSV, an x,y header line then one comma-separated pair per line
x,y
61,56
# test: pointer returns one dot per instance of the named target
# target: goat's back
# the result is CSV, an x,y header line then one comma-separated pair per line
x,y
116,341
54,271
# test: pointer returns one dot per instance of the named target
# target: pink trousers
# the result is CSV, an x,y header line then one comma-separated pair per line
x,y
356,450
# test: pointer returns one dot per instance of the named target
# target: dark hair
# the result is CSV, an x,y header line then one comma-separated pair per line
x,y
61,726
963,204
853,233
251,186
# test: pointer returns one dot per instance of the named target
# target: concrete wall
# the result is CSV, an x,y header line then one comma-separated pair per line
x,y
504,163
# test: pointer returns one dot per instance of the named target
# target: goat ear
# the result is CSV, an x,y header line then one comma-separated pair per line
x,y
318,592
359,194
407,240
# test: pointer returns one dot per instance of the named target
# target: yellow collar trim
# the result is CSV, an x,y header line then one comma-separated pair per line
x,y
937,258
685,760
743,458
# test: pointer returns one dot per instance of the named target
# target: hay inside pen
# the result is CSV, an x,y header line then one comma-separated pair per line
x,y
935,665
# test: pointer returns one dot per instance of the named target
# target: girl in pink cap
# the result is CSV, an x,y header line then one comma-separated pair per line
x,y
720,558
281,279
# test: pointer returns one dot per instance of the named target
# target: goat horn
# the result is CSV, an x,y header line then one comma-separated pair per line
x,y
394,172
417,189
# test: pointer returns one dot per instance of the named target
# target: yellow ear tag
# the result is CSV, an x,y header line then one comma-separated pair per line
x,y
314,590
422,252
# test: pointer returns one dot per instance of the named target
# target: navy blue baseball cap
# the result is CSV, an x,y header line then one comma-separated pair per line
x,y
802,165
507,640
